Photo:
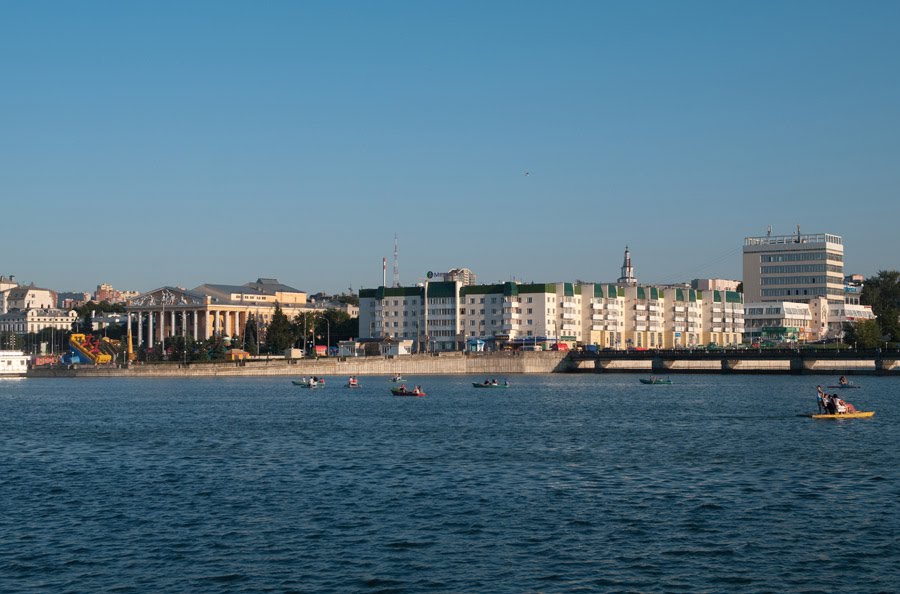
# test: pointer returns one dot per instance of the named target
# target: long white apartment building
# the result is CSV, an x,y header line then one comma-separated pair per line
x,y
443,315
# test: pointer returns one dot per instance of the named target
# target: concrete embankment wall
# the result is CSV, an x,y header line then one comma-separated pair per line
x,y
480,365
445,364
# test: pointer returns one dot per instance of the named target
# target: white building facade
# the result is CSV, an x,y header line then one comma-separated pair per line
x,y
442,316
794,268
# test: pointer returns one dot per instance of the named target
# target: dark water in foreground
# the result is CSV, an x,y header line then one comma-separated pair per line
x,y
559,484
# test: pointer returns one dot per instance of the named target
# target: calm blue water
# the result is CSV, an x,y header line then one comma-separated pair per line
x,y
560,484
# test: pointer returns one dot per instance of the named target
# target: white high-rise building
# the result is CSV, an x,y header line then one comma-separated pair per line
x,y
796,268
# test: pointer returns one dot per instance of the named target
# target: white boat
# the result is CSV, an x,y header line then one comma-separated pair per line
x,y
13,363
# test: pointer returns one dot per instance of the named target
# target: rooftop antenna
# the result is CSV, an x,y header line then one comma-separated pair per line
x,y
383,272
769,231
396,263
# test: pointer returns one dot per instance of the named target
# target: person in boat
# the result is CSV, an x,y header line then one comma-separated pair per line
x,y
416,390
839,406
403,387
843,381
820,398
505,382
487,382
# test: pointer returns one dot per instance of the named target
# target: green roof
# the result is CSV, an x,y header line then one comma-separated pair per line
x,y
538,288
568,290
480,290
382,292
441,289
679,295
641,293
734,297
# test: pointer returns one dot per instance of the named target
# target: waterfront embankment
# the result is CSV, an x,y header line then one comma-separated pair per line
x,y
508,363
498,364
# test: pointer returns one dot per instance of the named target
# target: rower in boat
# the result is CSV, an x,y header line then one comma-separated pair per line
x,y
843,381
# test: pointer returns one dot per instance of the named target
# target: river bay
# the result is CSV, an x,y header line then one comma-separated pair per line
x,y
560,483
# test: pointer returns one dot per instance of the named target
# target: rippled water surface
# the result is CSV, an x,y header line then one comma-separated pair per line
x,y
558,484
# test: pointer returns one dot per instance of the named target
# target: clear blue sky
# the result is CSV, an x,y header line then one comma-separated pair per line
x,y
177,143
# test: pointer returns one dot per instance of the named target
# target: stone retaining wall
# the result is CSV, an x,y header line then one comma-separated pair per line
x,y
499,364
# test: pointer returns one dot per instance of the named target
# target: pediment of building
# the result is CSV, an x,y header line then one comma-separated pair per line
x,y
166,296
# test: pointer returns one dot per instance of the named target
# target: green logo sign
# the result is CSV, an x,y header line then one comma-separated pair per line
x,y
430,274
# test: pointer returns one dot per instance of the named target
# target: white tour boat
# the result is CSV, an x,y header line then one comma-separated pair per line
x,y
13,363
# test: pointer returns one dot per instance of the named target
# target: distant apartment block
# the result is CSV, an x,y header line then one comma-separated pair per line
x,y
106,292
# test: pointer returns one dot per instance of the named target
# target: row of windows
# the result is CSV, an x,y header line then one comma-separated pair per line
x,y
794,292
801,257
802,268
794,280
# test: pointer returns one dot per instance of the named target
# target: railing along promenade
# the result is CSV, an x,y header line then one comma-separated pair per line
x,y
744,360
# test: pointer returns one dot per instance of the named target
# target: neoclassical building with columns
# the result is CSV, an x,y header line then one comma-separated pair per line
x,y
210,310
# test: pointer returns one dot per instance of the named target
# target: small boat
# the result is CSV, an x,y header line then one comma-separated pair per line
x,y
656,380
356,385
399,392
842,386
397,378
478,385
860,414
304,384
13,363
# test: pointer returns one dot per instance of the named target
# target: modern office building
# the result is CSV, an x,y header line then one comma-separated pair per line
x,y
794,268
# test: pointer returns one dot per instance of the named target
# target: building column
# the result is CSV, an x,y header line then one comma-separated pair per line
x,y
150,329
140,326
196,323
216,322
206,324
227,323
172,330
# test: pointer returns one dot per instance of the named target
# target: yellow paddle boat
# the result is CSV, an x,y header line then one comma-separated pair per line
x,y
860,414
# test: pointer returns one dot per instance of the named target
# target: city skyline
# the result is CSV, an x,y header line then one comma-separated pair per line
x,y
218,142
